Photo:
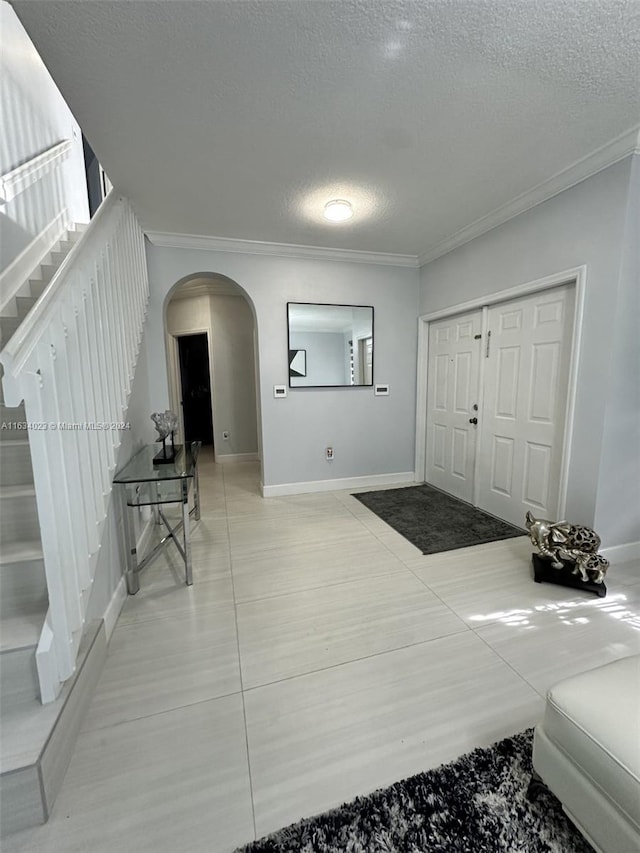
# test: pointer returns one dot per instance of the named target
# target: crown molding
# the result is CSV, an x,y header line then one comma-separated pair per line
x,y
211,288
617,149
278,250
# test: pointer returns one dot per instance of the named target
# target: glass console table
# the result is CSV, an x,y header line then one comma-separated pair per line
x,y
143,483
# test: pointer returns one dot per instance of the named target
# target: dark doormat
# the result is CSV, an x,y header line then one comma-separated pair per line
x,y
434,521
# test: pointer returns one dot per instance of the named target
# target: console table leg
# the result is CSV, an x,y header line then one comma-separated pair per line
x,y
196,493
186,526
133,581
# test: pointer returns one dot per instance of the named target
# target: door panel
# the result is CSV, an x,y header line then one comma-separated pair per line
x,y
537,468
502,465
525,391
454,357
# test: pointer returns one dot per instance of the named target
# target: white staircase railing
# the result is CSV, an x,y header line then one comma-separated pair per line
x,y
72,362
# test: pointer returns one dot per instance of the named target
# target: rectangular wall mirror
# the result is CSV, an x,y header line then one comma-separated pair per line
x,y
330,345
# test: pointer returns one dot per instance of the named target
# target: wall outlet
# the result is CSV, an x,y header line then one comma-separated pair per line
x,y
225,434
328,452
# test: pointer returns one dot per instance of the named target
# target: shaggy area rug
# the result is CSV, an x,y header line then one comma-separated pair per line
x,y
477,804
434,521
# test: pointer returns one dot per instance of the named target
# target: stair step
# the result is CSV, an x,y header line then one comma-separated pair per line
x,y
15,459
18,514
57,256
37,287
23,583
47,271
24,304
23,587
22,630
18,677
21,552
38,740
11,492
12,414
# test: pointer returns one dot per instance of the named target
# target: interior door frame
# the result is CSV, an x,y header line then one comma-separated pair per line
x,y
575,276
175,388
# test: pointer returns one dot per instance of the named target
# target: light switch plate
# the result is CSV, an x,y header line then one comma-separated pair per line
x,y
279,390
381,390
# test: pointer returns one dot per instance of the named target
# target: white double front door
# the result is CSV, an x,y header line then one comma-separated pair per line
x,y
496,404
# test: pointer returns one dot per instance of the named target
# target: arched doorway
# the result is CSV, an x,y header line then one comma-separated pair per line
x,y
211,347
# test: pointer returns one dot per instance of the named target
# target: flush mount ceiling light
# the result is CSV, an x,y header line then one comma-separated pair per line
x,y
338,210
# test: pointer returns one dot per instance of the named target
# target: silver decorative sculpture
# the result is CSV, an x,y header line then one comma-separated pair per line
x,y
570,546
166,424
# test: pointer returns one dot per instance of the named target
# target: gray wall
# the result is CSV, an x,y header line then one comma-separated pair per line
x,y
34,117
234,379
371,435
583,225
618,503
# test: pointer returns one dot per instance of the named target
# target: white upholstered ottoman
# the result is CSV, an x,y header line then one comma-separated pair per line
x,y
587,751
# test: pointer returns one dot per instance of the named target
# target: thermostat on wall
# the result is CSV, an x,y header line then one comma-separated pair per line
x,y
381,390
279,390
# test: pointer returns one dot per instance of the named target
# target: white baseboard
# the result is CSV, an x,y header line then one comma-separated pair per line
x,y
399,479
227,458
622,553
17,273
114,607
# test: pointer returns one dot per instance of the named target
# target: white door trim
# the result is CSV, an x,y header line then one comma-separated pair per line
x,y
174,371
481,374
576,276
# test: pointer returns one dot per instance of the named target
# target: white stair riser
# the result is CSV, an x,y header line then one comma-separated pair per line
x,y
23,586
15,461
18,676
24,304
18,519
36,287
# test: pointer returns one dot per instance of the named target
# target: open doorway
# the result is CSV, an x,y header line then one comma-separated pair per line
x,y
211,341
195,387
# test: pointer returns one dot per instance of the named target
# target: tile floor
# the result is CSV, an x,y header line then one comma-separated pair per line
x,y
317,656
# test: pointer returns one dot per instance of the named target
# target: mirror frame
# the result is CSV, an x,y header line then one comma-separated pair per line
x,y
332,305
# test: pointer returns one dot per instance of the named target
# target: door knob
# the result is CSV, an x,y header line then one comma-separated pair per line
x,y
473,420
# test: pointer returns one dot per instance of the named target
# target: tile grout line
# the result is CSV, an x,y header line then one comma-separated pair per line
x,y
159,713
446,636
475,633
511,667
242,690
306,589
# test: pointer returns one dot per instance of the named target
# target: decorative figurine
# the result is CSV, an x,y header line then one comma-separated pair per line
x,y
570,549
166,423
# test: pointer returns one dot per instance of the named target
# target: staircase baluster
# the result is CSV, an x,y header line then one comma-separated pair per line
x,y
72,360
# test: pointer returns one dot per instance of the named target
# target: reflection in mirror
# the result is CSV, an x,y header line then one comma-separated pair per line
x,y
330,345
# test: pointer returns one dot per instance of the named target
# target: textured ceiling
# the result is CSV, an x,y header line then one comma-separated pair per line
x,y
241,119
